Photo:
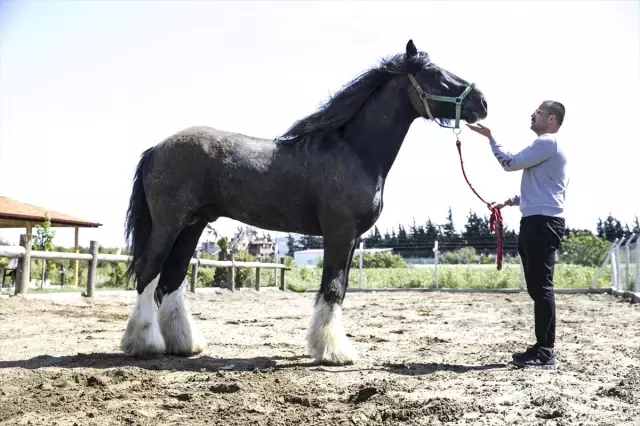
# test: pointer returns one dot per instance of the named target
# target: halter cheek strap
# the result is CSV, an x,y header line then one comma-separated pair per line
x,y
424,96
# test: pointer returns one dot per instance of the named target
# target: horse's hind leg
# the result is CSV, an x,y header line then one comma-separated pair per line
x,y
142,335
180,332
327,340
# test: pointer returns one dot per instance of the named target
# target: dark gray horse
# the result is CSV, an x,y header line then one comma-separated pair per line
x,y
324,176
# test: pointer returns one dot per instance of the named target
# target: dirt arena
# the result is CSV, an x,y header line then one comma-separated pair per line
x,y
427,359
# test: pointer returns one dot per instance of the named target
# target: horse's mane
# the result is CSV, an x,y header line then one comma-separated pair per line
x,y
342,108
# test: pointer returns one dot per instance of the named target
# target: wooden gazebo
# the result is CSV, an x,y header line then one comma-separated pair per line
x,y
15,214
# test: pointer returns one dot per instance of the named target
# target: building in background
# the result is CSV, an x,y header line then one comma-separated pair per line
x,y
311,257
261,248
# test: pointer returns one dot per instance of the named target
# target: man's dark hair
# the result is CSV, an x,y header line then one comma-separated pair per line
x,y
555,108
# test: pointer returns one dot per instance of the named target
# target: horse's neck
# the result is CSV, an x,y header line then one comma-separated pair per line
x,y
378,133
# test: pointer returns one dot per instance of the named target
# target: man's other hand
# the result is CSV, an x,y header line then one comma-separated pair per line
x,y
479,128
499,206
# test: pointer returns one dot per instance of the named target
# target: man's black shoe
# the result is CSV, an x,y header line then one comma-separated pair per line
x,y
535,357
531,350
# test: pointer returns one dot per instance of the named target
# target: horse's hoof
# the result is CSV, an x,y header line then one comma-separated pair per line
x,y
327,340
181,334
142,337
186,345
344,354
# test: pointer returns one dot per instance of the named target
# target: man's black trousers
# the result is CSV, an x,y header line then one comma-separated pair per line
x,y
538,242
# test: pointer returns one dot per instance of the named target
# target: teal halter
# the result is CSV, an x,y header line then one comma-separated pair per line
x,y
456,100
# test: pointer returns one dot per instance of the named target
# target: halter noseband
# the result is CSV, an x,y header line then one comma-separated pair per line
x,y
457,100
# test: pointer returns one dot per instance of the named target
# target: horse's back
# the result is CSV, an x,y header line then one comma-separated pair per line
x,y
211,135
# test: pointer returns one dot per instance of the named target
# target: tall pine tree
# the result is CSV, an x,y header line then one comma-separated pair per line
x,y
610,228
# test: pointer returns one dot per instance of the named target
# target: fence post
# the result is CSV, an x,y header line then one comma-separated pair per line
x,y
23,274
232,273
194,271
92,270
275,271
637,281
361,262
258,278
17,280
283,285
435,270
604,264
614,269
627,260
619,281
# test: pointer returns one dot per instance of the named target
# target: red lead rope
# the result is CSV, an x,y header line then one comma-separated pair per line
x,y
495,222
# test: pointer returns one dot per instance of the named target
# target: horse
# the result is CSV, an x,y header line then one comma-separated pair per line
x,y
325,176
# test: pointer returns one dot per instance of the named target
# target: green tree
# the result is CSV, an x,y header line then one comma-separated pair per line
x,y
584,248
116,274
221,276
449,229
402,245
477,233
43,241
292,246
374,240
243,276
311,242
450,238
610,228
418,240
371,260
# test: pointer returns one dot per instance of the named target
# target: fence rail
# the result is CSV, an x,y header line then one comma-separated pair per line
x,y
24,255
623,259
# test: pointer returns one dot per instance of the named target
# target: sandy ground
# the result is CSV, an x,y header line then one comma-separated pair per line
x,y
427,359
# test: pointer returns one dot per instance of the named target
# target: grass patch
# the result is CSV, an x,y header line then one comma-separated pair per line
x,y
301,279
449,276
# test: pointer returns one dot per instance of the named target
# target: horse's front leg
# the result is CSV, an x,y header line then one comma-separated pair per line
x,y
327,339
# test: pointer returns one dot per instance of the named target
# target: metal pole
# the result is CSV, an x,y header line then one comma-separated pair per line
x,y
615,260
604,264
637,281
275,260
361,261
627,259
435,273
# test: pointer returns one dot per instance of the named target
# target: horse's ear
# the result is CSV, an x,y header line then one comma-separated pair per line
x,y
411,49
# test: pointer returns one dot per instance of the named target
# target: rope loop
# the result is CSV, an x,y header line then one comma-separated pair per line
x,y
495,221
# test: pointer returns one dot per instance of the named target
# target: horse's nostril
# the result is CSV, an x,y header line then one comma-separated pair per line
x,y
484,103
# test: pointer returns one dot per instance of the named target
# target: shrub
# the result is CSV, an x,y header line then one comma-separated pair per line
x,y
583,248
375,260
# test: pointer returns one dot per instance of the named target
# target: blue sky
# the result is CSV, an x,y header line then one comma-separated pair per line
x,y
86,86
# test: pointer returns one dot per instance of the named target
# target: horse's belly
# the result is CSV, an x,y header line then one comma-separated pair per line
x,y
278,213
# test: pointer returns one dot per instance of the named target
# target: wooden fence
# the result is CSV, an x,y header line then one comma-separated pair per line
x,y
25,254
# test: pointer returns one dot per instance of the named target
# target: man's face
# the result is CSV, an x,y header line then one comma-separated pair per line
x,y
540,119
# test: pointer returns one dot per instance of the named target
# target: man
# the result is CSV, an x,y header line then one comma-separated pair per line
x,y
541,201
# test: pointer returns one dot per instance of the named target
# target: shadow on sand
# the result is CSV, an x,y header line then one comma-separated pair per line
x,y
433,367
165,362
207,363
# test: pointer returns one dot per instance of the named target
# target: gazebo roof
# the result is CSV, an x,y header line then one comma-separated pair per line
x,y
15,214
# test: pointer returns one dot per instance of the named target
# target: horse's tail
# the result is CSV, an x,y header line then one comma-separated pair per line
x,y
138,218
